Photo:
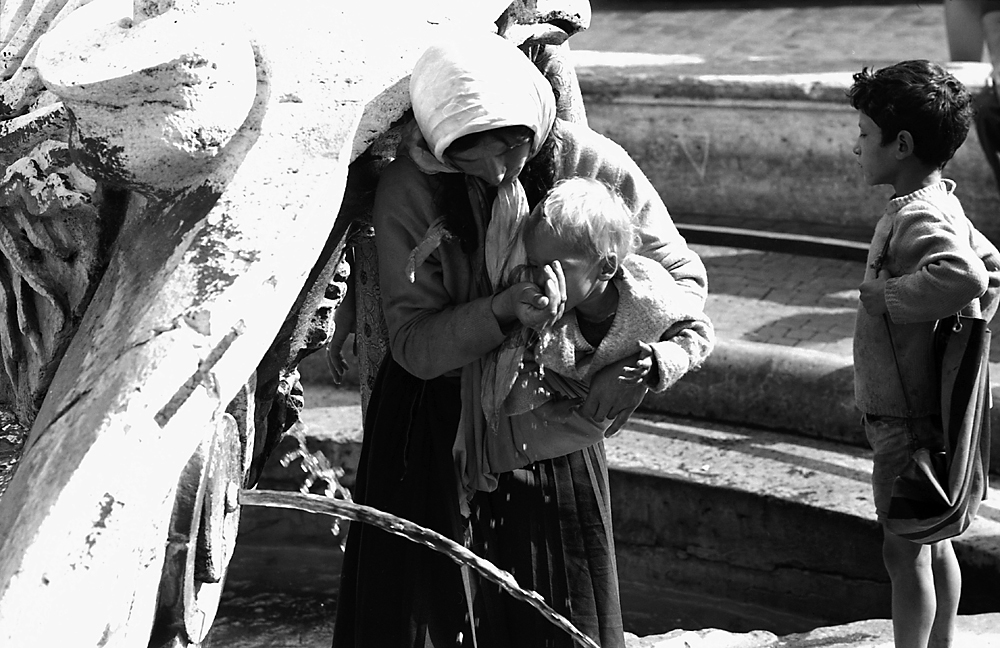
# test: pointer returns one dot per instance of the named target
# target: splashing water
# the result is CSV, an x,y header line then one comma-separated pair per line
x,y
415,533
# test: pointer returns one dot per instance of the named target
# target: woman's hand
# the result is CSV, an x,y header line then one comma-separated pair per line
x,y
344,324
534,305
613,394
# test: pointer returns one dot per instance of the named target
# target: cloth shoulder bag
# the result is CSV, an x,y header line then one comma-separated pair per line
x,y
939,492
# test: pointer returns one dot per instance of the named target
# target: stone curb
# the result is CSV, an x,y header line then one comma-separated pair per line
x,y
612,74
799,391
772,150
786,389
686,493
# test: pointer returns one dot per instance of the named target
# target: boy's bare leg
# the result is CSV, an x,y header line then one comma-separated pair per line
x,y
948,589
913,599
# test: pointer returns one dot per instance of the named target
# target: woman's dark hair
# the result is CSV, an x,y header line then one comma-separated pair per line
x,y
511,133
919,97
539,174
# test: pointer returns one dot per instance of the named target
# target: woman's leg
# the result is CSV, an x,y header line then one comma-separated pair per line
x,y
913,599
394,592
964,29
550,525
988,127
948,588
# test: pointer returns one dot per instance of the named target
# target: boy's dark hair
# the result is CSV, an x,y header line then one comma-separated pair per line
x,y
919,97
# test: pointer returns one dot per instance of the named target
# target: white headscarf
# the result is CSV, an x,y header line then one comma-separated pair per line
x,y
469,84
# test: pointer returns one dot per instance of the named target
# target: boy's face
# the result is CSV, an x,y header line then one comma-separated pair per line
x,y
878,163
542,247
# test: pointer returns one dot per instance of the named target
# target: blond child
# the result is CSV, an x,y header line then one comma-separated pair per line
x,y
617,305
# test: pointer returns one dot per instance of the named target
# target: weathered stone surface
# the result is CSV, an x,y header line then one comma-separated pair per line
x,y
155,99
691,499
52,256
773,150
197,286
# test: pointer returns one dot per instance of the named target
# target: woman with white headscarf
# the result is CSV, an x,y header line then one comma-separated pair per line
x,y
485,147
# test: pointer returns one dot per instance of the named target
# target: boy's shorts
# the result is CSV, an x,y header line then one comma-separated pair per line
x,y
894,440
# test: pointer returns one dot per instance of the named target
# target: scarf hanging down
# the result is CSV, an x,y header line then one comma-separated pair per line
x,y
468,84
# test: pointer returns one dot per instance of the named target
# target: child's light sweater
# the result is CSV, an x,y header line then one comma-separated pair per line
x,y
650,303
939,264
533,407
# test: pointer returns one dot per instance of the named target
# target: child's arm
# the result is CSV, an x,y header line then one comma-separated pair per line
x,y
680,336
937,271
639,366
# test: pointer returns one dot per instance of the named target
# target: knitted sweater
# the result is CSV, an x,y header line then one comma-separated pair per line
x,y
939,264
650,304
441,323
539,412
442,320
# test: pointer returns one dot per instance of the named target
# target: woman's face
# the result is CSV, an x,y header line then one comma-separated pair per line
x,y
496,156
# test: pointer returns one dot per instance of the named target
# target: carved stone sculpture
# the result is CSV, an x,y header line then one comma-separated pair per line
x,y
172,226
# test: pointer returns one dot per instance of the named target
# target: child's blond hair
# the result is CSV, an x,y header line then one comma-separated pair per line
x,y
589,214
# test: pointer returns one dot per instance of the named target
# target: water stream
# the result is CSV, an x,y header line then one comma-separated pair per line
x,y
415,533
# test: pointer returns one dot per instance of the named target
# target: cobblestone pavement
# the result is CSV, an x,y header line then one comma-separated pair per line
x,y
767,37
787,300
782,299
769,297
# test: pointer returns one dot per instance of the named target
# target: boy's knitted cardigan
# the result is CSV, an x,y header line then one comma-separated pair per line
x,y
939,264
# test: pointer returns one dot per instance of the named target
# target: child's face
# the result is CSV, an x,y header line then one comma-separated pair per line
x,y
542,247
878,163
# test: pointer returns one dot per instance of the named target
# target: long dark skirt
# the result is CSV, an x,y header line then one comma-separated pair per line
x,y
548,524
395,593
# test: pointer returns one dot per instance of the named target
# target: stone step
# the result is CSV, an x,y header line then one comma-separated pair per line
x,y
780,527
753,515
774,150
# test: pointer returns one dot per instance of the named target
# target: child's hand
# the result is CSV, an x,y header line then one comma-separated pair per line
x,y
873,295
637,367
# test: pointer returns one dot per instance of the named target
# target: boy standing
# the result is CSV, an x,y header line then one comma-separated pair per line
x,y
926,261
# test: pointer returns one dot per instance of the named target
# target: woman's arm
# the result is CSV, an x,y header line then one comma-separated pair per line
x,y
583,152
435,325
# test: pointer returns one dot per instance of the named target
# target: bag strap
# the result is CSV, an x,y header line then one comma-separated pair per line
x,y
954,321
895,360
877,267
